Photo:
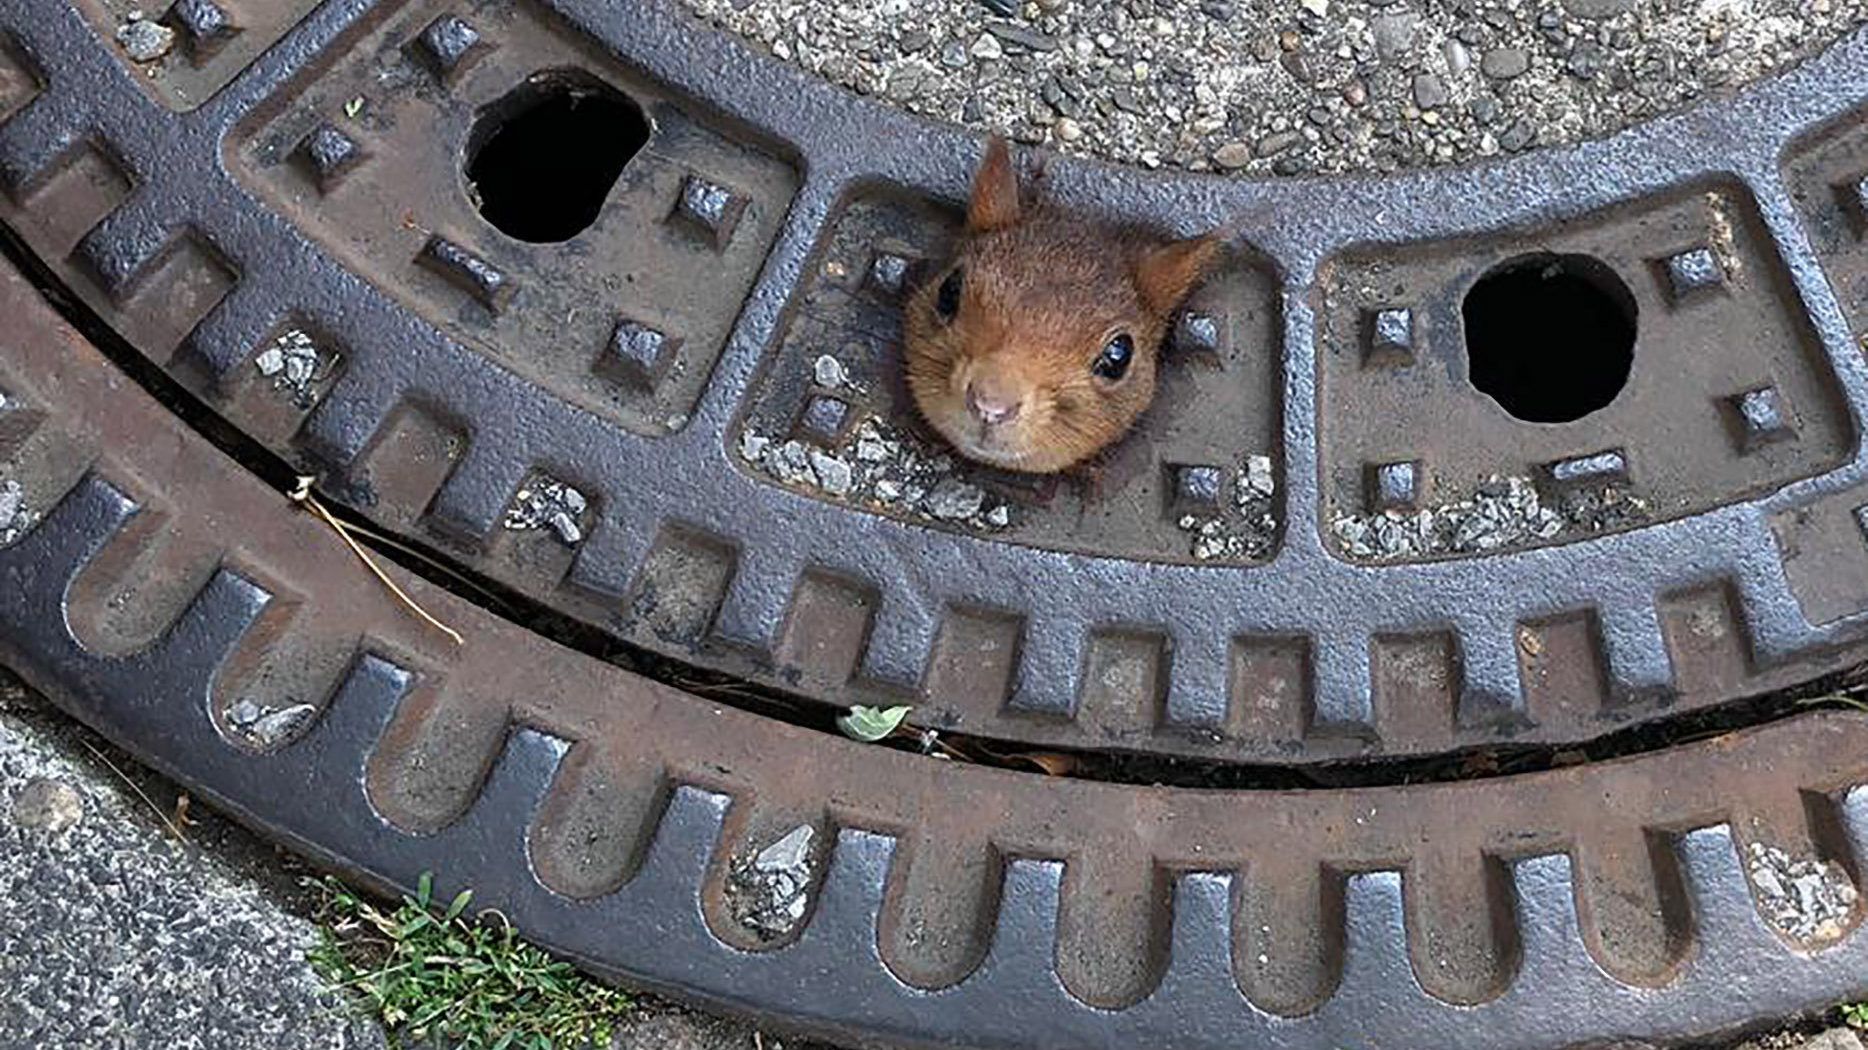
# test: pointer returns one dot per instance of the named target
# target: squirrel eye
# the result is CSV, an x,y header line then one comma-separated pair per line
x,y
1113,362
947,302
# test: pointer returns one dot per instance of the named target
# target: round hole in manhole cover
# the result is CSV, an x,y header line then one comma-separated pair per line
x,y
542,159
1550,337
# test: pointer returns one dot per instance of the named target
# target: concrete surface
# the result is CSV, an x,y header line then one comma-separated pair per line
x,y
115,935
1292,86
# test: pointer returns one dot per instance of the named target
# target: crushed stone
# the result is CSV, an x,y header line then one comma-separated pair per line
x,y
1505,513
1247,533
767,893
296,366
1833,1039
47,804
549,503
831,374
1274,87
16,518
266,726
1807,901
882,467
144,40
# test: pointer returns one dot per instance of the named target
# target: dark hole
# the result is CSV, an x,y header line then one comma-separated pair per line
x,y
542,159
1550,337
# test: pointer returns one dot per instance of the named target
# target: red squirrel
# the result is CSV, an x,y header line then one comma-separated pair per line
x,y
1035,347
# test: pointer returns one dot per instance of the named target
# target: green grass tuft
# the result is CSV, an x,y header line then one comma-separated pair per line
x,y
430,973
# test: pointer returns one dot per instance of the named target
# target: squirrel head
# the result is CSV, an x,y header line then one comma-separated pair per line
x,y
1035,346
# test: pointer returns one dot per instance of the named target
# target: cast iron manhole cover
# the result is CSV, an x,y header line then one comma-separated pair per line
x,y
1536,468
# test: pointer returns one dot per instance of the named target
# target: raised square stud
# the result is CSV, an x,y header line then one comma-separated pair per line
x,y
203,25
824,420
1607,467
1388,337
1196,333
1394,486
888,273
328,153
1762,418
467,271
637,354
447,45
1196,486
1852,195
16,420
1692,273
709,209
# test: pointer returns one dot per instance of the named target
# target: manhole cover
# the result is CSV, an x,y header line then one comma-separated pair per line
x,y
598,316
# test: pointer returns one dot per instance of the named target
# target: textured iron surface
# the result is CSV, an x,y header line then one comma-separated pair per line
x,y
467,365
955,905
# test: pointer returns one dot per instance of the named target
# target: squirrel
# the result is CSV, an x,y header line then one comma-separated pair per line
x,y
1035,347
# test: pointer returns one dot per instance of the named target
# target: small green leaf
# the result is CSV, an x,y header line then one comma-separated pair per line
x,y
870,724
459,905
353,107
425,888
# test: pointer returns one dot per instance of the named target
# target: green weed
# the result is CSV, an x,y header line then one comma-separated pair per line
x,y
433,974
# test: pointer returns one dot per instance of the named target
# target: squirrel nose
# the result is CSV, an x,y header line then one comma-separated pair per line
x,y
992,409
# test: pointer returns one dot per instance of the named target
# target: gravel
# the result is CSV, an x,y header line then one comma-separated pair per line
x,y
830,373
1505,63
16,518
767,892
144,40
1505,513
1834,1039
266,727
296,365
880,466
547,503
1251,530
1807,901
47,805
1264,87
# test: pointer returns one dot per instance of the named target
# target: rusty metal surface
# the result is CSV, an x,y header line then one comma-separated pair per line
x,y
160,585
1675,423
319,196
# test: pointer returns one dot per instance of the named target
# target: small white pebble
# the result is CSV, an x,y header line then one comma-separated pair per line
x,y
829,372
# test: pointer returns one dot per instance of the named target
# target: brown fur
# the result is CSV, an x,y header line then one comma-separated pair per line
x,y
1042,293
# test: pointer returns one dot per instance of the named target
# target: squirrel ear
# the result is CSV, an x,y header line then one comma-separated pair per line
x,y
994,204
1166,274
